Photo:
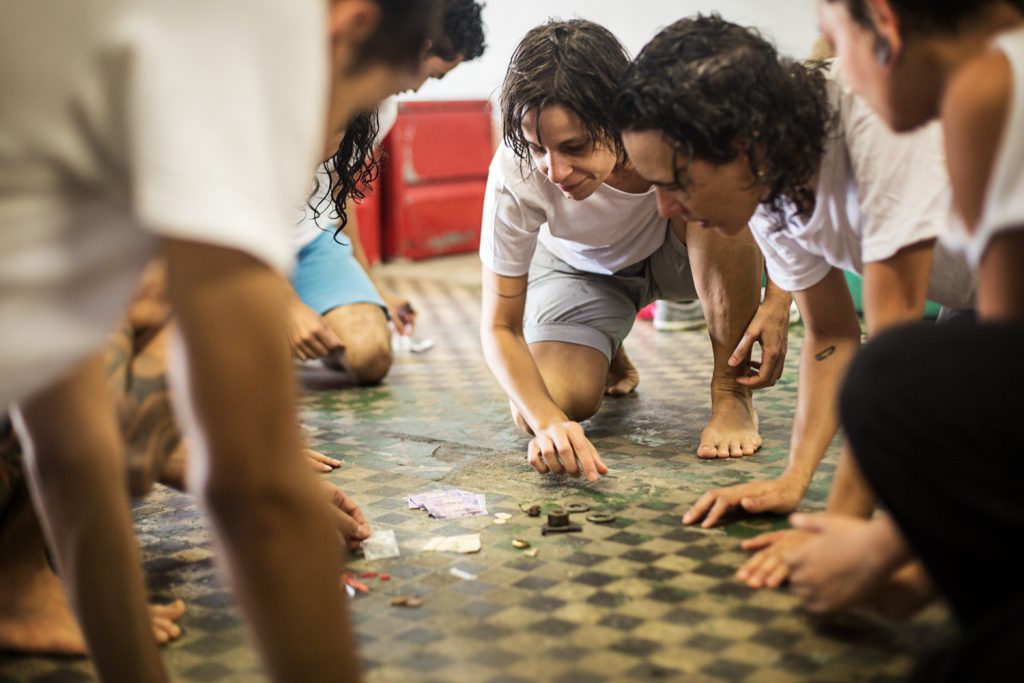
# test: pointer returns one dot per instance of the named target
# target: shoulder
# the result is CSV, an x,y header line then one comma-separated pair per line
x,y
979,94
512,175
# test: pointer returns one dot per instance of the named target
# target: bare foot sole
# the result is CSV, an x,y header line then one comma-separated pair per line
x,y
35,618
622,375
733,429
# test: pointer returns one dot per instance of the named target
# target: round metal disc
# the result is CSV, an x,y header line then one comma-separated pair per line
x,y
576,507
601,518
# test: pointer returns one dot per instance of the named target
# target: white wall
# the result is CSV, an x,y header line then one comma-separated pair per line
x,y
791,24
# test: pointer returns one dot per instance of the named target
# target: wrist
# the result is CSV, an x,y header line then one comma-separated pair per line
x,y
797,475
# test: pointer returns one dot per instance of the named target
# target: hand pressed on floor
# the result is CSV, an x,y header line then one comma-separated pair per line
x,y
563,448
768,568
846,561
777,495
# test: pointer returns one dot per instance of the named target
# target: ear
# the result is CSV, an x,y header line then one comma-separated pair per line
x,y
887,28
353,21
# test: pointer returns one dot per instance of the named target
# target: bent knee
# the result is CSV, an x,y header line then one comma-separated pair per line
x,y
580,407
369,363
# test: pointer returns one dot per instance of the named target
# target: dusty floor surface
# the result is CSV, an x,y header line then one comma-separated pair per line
x,y
642,599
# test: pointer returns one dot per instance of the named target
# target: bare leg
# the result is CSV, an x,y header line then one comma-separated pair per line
x,y
76,474
574,376
363,328
727,274
34,613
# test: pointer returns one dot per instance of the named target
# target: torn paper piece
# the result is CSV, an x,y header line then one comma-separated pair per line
x,y
469,543
381,545
449,503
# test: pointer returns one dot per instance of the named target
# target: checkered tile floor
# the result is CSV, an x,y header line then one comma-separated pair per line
x,y
642,599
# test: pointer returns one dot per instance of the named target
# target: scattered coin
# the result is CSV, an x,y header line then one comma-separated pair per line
x,y
532,552
520,543
502,515
499,520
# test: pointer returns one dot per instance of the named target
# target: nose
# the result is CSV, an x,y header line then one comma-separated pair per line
x,y
558,169
668,206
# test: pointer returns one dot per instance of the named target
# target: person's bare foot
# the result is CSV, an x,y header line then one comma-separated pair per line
x,y
622,375
733,429
35,616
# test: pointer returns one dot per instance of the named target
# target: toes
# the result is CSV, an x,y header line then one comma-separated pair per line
x,y
707,450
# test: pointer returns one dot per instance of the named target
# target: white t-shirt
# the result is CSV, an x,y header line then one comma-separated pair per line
x,y
121,119
603,233
878,192
1004,201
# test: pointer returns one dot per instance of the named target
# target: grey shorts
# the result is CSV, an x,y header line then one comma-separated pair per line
x,y
591,309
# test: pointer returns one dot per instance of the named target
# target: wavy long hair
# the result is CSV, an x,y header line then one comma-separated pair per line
x,y
717,90
575,64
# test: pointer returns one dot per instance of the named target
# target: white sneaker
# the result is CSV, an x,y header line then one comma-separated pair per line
x,y
673,316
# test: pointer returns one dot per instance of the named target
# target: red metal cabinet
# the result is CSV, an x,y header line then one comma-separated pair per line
x,y
434,178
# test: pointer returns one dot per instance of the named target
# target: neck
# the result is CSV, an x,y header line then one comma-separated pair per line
x,y
624,177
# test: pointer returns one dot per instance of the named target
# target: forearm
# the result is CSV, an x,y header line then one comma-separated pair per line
x,y
823,362
77,477
850,494
264,502
508,356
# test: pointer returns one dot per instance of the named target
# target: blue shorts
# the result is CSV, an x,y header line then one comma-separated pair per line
x,y
327,275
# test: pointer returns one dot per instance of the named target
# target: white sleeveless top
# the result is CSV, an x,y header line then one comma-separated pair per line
x,y
1004,202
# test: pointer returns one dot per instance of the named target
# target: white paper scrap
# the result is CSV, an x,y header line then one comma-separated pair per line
x,y
381,545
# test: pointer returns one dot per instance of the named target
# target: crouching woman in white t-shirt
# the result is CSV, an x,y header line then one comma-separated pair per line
x,y
572,247
733,135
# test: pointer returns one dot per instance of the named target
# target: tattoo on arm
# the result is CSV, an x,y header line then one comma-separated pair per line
x,y
825,354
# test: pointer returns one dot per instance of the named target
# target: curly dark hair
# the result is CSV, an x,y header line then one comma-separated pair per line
x,y
350,171
926,16
716,90
403,29
462,31
575,64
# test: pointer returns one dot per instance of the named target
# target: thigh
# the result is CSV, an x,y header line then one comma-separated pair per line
x,y
574,375
327,275
932,414
579,308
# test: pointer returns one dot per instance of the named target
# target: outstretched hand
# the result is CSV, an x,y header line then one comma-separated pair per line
x,y
777,495
768,568
844,562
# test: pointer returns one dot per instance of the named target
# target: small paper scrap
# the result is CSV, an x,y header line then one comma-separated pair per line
x,y
449,503
462,574
469,543
381,545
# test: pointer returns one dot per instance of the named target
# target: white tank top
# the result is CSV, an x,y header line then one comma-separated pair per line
x,y
1004,201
